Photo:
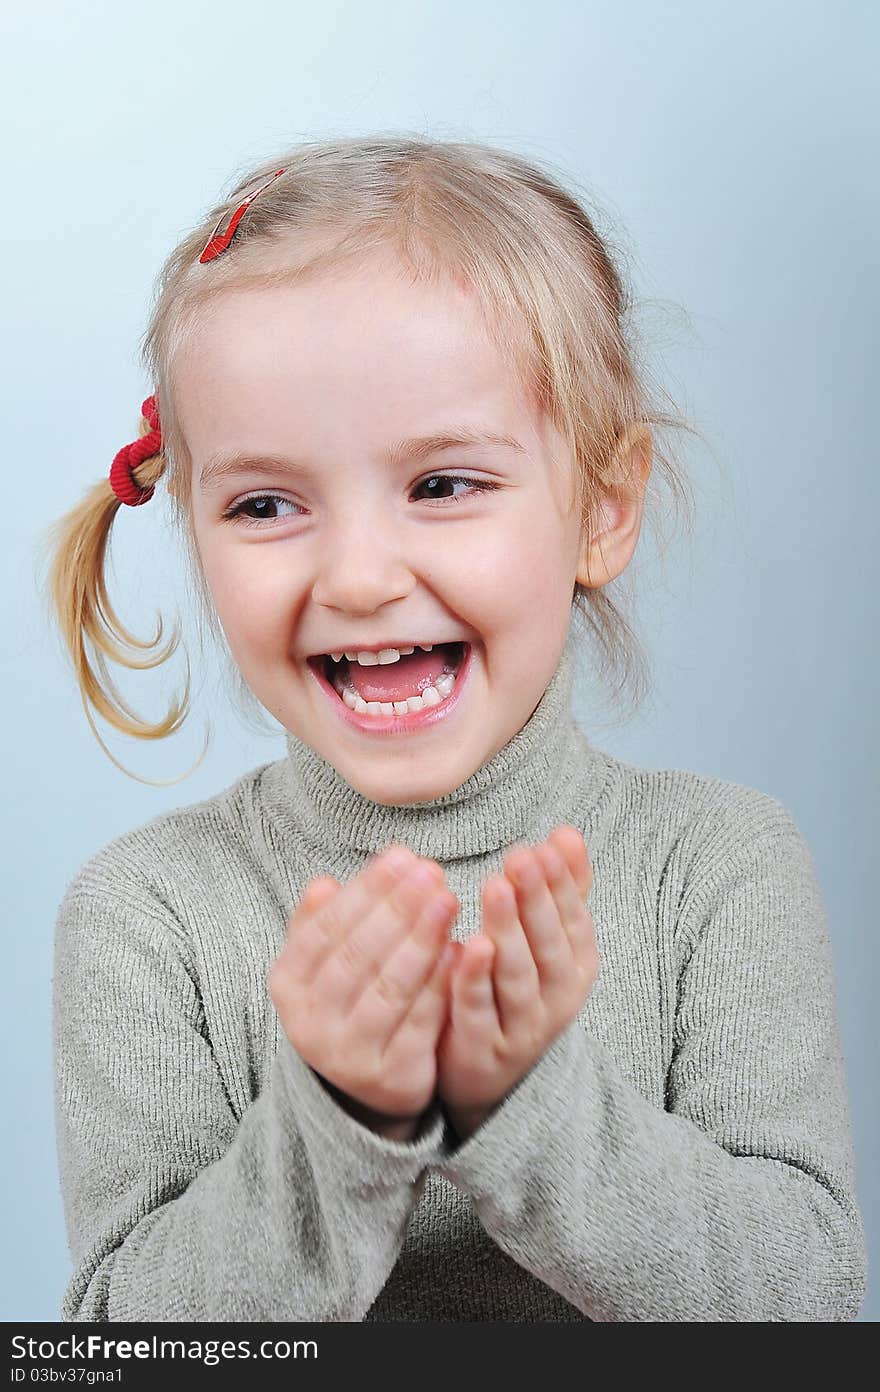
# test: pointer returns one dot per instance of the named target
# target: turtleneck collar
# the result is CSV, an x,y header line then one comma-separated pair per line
x,y
546,767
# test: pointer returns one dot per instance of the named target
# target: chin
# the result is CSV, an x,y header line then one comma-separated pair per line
x,y
406,793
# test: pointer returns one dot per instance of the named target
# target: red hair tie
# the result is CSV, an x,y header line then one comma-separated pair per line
x,y
122,480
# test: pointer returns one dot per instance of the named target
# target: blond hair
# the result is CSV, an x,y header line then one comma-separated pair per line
x,y
555,304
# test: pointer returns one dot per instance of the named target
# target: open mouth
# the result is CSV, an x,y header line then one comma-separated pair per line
x,y
453,656
395,694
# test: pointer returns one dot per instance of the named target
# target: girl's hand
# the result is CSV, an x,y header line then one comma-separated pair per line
x,y
517,984
361,985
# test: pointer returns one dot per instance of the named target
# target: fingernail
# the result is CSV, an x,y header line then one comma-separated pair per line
x,y
421,876
436,913
447,956
398,858
526,873
554,861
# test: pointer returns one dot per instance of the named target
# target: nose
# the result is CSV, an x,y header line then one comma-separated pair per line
x,y
361,565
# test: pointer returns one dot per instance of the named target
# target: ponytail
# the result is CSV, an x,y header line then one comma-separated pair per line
x,y
77,594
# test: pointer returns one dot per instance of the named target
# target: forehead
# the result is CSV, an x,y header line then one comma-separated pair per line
x,y
367,351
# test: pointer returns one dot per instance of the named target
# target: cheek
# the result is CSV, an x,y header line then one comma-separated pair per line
x,y
230,583
252,601
529,558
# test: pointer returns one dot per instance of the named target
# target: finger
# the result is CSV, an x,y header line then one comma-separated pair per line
x,y
316,930
472,996
427,1014
435,869
571,908
363,954
515,974
317,892
386,998
322,889
570,843
539,916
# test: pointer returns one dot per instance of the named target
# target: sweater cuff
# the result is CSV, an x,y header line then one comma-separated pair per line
x,y
373,1159
525,1124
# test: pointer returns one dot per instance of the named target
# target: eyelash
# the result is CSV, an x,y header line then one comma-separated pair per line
x,y
235,513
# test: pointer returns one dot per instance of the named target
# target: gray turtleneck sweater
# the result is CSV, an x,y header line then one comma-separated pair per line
x,y
682,1151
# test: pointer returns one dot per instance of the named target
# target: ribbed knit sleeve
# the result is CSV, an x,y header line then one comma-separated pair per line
x,y
735,1202
175,1208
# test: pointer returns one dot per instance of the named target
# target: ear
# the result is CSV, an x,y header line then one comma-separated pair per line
x,y
619,510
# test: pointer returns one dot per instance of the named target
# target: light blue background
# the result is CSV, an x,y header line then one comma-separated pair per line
x,y
735,149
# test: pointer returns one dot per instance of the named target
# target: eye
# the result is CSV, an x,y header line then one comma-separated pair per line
x,y
255,500
473,485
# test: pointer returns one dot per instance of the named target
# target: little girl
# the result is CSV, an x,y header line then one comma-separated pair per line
x,y
447,1014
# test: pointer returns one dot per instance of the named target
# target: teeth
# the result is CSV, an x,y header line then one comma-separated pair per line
x,y
384,656
431,696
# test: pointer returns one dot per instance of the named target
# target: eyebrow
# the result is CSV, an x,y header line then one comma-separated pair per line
x,y
226,463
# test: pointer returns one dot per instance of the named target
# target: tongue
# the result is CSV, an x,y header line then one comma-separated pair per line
x,y
395,681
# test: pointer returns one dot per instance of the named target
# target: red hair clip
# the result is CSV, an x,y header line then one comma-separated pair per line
x,y
219,242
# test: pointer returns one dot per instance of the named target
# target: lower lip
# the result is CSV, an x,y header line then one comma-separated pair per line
x,y
397,724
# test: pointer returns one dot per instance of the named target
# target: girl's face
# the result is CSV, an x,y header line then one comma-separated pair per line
x,y
355,550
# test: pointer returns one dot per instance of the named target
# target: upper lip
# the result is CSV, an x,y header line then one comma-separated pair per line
x,y
380,647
